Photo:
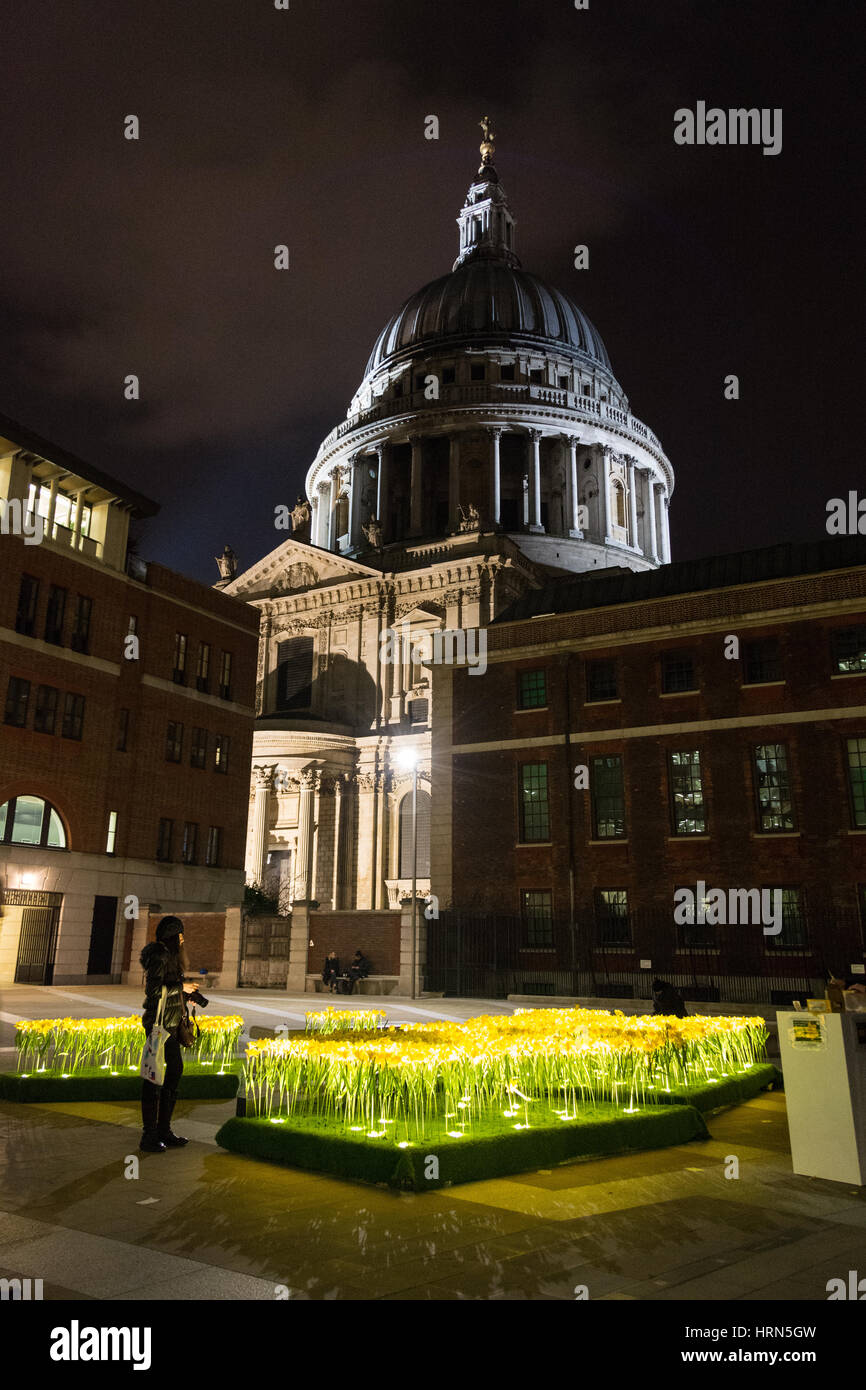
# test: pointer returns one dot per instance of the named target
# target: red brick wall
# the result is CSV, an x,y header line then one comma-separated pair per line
x,y
87,779
203,937
377,934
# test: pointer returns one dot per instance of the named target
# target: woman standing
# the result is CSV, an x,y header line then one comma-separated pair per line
x,y
165,963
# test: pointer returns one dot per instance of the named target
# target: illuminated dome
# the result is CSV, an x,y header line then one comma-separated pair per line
x,y
487,301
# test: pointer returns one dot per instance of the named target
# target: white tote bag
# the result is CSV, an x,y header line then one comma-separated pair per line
x,y
153,1057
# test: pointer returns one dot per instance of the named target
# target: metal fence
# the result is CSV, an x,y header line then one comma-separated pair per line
x,y
491,955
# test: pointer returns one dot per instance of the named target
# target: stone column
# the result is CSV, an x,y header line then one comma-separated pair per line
x,y
666,533
332,509
338,843
404,987
572,490
651,513
495,477
380,892
382,452
264,781
632,505
76,523
358,463
604,490
52,504
454,482
535,483
415,515
314,518
303,890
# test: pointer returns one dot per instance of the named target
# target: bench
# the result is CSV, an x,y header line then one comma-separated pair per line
x,y
374,984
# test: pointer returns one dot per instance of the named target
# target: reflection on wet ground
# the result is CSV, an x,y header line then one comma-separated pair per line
x,y
199,1222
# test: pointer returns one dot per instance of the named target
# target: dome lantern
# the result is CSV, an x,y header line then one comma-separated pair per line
x,y
485,220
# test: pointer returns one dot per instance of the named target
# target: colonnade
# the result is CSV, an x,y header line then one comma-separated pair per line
x,y
347,482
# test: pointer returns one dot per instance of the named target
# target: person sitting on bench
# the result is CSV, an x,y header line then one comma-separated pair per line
x,y
331,971
359,969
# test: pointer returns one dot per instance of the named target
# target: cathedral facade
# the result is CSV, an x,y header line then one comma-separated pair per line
x,y
488,451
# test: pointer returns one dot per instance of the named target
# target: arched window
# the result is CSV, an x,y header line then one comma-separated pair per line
x,y
28,820
423,862
619,504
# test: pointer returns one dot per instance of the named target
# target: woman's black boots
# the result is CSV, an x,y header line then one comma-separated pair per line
x,y
150,1140
166,1106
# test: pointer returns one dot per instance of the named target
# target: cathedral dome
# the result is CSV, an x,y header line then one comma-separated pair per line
x,y
489,302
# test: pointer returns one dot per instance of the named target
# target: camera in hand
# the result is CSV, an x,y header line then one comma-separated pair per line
x,y
198,998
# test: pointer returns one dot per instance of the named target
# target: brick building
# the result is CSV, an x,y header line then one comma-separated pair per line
x,y
701,726
128,695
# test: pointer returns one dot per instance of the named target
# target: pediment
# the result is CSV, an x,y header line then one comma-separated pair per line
x,y
293,568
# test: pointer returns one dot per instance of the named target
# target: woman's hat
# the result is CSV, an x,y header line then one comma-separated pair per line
x,y
168,927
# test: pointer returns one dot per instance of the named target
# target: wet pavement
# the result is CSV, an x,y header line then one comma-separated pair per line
x,y
81,1210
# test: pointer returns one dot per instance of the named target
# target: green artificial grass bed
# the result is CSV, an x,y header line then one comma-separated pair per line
x,y
731,1090
198,1082
491,1150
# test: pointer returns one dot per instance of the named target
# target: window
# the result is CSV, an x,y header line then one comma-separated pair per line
x,y
694,933
406,838
398,388
563,382
295,673
122,730
46,709
198,748
619,512
476,371
163,841
73,715
761,661
849,650
111,834
601,682
793,933
773,787
226,676
586,388
448,376
856,748
28,820
536,374
678,672
201,675
221,753
532,690
214,836
80,639
65,507
419,713
179,673
611,913
17,698
190,835
687,794
536,909
54,615
608,798
506,371
28,597
534,809
174,742
420,378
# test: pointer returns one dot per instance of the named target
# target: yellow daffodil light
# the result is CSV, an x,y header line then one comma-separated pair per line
x,y
69,1045
420,1076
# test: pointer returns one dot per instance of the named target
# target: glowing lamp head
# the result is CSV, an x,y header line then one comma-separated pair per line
x,y
407,759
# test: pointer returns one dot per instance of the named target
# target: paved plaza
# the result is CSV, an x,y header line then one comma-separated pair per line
x,y
200,1223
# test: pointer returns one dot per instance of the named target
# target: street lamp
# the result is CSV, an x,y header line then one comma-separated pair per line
x,y
407,758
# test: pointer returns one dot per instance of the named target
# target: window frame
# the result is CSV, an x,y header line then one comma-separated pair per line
x,y
17,702
524,803
530,920
595,797
676,831
522,676
756,779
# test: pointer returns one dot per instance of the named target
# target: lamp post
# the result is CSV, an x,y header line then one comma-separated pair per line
x,y
407,758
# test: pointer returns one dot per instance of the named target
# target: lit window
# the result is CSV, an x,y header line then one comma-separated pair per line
x,y
214,836
226,676
112,832
28,820
221,753
849,651
608,798
687,794
773,787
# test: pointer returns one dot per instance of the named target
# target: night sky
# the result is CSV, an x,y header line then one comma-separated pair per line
x,y
306,127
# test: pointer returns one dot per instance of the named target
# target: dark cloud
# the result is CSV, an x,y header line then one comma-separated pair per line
x,y
260,127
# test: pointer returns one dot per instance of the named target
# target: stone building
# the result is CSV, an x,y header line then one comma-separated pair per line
x,y
488,449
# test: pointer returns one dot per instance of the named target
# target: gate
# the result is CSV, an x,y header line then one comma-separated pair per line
x,y
265,951
37,945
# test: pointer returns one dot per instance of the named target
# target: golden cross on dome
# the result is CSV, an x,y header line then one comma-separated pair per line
x,y
487,145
